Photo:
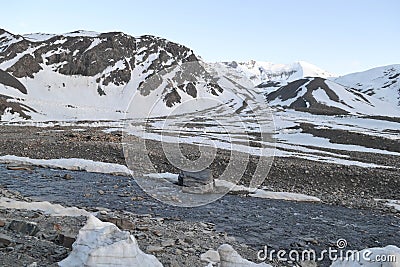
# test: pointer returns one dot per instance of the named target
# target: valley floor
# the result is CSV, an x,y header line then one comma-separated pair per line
x,y
346,185
348,207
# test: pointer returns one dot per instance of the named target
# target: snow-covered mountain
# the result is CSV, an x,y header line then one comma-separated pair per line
x,y
87,75
324,97
381,82
260,72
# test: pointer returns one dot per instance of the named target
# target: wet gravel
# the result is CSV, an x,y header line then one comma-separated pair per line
x,y
255,222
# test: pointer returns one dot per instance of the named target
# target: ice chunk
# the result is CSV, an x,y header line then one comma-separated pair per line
x,y
103,244
388,256
230,258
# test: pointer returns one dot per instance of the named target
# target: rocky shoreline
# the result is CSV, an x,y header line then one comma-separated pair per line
x,y
40,239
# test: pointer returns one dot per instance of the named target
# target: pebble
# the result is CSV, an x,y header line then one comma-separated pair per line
x,y
157,233
191,250
168,243
67,176
142,227
152,249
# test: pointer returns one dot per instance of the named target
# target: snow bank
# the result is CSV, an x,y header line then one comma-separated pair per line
x,y
394,203
228,257
45,206
103,244
388,256
390,203
74,164
261,193
254,192
284,195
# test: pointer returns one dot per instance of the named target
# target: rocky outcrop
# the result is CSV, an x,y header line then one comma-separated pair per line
x,y
25,67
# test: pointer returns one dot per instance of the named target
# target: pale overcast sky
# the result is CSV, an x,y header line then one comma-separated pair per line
x,y
340,36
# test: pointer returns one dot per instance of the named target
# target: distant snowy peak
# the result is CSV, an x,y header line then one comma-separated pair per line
x,y
38,37
381,82
324,97
260,72
41,37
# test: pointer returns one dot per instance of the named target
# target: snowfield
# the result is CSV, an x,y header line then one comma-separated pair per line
x,y
381,82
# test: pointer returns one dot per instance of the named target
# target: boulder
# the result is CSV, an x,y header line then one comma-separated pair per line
x,y
196,182
23,227
65,240
5,240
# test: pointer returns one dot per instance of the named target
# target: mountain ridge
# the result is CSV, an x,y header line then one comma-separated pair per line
x,y
91,75
80,71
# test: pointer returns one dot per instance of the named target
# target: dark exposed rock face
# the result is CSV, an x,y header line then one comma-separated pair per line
x,y
269,84
172,97
25,67
288,91
9,80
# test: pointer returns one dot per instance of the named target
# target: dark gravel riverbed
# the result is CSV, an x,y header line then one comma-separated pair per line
x,y
255,222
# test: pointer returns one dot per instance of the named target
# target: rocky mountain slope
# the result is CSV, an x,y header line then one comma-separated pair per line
x,y
87,75
111,76
324,97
